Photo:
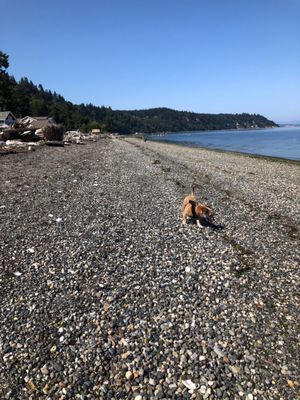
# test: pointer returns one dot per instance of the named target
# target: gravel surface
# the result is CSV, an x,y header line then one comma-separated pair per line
x,y
105,295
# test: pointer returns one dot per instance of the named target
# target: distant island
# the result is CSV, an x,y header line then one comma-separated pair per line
x,y
167,120
25,98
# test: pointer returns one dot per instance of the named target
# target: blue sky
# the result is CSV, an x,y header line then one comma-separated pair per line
x,y
204,56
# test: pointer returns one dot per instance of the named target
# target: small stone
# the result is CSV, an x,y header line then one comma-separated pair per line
x,y
203,389
218,351
160,375
128,375
57,366
53,349
247,370
125,355
31,386
44,370
234,369
127,387
284,370
45,389
50,284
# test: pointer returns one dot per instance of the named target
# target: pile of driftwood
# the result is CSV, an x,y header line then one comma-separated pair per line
x,y
20,138
77,137
24,136
18,146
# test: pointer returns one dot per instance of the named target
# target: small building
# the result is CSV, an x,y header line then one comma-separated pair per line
x,y
96,131
7,118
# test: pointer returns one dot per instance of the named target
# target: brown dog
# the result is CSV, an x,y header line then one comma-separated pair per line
x,y
191,208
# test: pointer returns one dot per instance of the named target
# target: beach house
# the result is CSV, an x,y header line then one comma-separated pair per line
x,y
7,118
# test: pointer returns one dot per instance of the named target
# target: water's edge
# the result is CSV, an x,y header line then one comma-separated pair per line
x,y
277,143
218,150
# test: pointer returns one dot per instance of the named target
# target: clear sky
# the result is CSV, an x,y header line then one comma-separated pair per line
x,y
197,55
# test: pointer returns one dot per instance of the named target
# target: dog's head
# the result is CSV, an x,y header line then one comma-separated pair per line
x,y
208,212
205,211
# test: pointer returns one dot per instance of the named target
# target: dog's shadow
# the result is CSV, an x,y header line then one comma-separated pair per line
x,y
206,223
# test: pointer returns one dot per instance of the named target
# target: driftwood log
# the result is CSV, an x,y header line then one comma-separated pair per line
x,y
25,134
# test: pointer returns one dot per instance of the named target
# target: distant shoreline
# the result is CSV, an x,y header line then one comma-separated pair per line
x,y
260,143
216,130
239,153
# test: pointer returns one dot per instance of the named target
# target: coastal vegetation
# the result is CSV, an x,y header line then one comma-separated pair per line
x,y
23,98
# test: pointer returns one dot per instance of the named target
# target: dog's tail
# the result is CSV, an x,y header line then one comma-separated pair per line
x,y
193,189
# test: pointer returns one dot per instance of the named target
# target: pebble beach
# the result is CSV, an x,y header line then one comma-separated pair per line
x,y
104,294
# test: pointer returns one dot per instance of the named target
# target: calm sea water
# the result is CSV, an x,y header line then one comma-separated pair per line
x,y
276,142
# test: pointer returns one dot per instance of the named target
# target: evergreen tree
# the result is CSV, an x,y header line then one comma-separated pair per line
x,y
6,83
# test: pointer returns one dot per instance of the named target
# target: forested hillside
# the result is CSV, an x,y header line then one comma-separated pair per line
x,y
25,98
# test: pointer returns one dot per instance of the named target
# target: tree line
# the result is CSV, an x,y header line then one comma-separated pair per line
x,y
24,98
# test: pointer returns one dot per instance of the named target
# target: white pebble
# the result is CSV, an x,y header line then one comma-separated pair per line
x,y
191,385
218,351
128,374
203,389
